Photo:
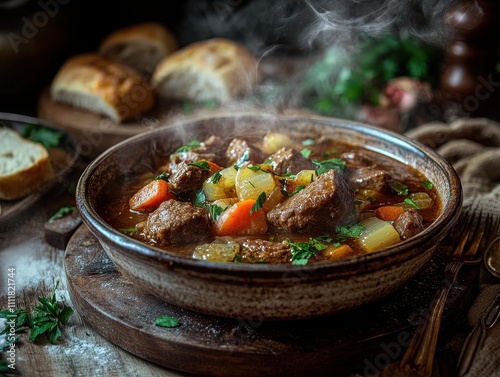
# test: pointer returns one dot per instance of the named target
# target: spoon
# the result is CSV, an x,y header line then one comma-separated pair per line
x,y
492,257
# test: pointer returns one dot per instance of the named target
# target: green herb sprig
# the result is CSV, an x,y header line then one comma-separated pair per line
x,y
48,318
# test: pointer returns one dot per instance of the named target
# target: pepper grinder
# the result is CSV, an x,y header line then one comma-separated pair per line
x,y
470,81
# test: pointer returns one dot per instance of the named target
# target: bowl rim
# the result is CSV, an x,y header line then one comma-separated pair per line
x,y
161,258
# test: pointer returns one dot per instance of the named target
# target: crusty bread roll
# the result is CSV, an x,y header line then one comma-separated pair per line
x,y
24,165
101,85
214,69
140,46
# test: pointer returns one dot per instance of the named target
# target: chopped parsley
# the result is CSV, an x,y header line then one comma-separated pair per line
x,y
428,185
345,232
193,144
296,191
412,203
164,176
305,152
47,137
303,251
399,187
258,203
326,165
215,211
216,177
200,199
129,231
308,142
167,321
200,164
62,212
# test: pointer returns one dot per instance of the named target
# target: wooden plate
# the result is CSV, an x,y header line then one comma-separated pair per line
x,y
63,159
362,341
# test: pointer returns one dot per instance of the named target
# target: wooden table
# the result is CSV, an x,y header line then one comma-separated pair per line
x,y
38,266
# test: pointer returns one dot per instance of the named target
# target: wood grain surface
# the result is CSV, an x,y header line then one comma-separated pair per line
x,y
337,345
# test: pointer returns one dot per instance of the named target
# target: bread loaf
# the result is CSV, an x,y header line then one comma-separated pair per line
x,y
24,165
216,69
140,46
102,85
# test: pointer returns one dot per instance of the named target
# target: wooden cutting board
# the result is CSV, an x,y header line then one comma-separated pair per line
x,y
360,341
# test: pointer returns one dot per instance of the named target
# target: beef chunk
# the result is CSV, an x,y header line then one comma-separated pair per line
x,y
257,251
324,204
409,224
357,159
366,177
240,152
288,160
175,223
209,150
188,179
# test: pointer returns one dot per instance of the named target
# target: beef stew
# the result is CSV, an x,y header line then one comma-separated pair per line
x,y
282,198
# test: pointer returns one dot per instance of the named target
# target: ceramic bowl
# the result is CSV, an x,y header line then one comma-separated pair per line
x,y
265,291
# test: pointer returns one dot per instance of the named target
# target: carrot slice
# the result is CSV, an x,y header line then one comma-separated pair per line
x,y
151,196
389,213
238,221
213,167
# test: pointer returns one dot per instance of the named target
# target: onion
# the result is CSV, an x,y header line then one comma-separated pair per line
x,y
221,250
305,177
251,183
378,234
222,189
274,141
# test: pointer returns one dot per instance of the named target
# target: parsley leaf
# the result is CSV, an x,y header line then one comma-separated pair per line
x,y
305,152
399,188
47,137
167,321
193,144
344,232
48,318
326,165
258,203
200,164
216,177
200,199
61,212
164,176
428,185
303,251
215,211
412,203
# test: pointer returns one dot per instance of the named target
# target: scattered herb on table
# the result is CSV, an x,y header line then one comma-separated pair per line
x,y
62,212
48,318
167,321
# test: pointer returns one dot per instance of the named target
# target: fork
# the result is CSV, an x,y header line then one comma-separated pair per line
x,y
418,360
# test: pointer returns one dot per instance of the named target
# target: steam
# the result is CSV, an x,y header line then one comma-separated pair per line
x,y
309,25
338,21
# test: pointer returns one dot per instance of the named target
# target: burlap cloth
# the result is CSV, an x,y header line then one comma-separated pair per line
x,y
472,146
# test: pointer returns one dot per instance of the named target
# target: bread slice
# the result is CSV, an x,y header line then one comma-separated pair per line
x,y
102,85
216,69
140,46
24,165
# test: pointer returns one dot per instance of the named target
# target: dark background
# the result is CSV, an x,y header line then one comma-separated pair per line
x,y
37,36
